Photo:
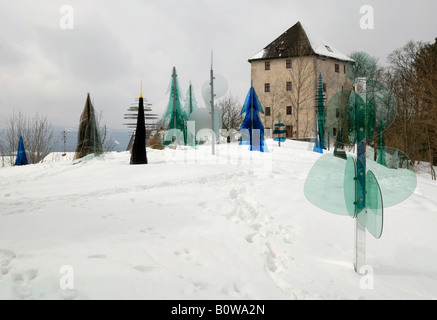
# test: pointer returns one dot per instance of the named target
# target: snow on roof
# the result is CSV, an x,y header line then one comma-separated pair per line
x,y
259,55
322,47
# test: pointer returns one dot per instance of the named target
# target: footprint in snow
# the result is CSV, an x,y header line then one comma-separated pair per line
x,y
201,285
23,282
185,253
250,238
97,256
147,269
69,294
233,194
6,257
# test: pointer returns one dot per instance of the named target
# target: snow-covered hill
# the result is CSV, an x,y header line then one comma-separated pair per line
x,y
192,226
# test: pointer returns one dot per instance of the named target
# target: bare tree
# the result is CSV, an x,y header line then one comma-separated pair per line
x,y
16,126
231,112
37,133
412,77
231,116
2,149
40,140
401,79
425,65
108,142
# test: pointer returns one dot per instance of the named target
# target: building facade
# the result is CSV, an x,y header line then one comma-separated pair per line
x,y
285,75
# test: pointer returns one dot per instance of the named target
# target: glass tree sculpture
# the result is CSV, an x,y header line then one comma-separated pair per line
x,y
252,124
139,153
175,115
21,159
190,106
131,117
359,186
320,141
190,101
88,139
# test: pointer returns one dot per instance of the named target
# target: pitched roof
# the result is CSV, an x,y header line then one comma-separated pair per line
x,y
298,41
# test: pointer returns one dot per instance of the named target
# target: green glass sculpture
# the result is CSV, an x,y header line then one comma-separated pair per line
x,y
361,186
175,115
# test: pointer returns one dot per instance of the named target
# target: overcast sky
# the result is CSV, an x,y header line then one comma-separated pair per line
x,y
116,44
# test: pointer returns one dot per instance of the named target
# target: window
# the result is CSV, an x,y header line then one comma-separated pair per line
x,y
288,63
324,87
344,67
266,87
337,68
289,110
329,48
337,113
268,112
267,65
334,132
289,85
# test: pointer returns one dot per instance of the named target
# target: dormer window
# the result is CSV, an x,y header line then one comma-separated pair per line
x,y
329,49
281,49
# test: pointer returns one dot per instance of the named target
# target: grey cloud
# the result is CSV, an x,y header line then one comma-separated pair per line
x,y
92,54
116,44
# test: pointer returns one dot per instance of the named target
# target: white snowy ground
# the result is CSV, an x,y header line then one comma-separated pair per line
x,y
192,226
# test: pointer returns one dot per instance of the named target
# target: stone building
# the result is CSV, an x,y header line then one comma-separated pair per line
x,y
285,76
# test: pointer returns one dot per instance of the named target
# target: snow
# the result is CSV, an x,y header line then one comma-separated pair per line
x,y
190,225
259,55
321,46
